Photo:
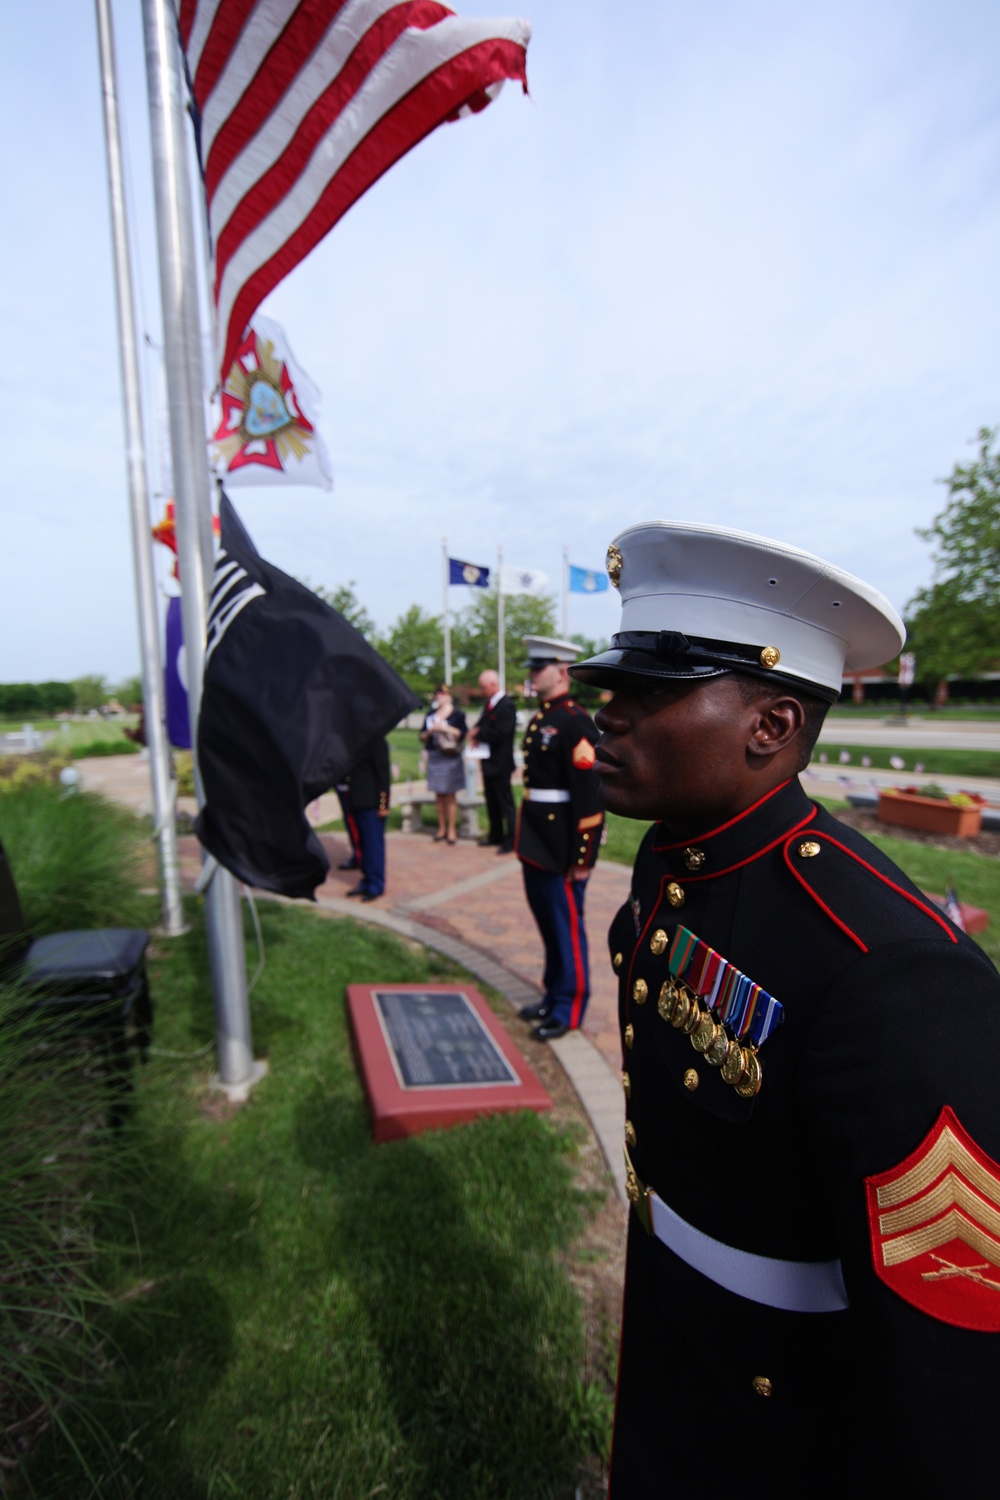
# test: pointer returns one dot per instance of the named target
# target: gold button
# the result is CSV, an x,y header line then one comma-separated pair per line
x,y
639,991
674,894
627,1085
630,1132
552,817
658,942
617,961
629,1035
694,858
691,1079
761,1385
770,656
808,849
581,861
546,706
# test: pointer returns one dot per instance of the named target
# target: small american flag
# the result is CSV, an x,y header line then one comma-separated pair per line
x,y
302,104
953,907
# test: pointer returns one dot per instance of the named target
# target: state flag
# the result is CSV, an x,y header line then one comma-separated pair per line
x,y
292,694
587,580
469,574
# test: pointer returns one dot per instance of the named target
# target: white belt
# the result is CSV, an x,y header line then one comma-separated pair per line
x,y
532,794
793,1285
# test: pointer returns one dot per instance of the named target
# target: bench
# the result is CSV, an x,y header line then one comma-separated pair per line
x,y
469,804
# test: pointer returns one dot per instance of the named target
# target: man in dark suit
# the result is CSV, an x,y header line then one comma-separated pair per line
x,y
495,733
812,1288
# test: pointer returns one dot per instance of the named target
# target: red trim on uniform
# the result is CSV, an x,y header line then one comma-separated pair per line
x,y
819,900
789,832
576,1009
932,1236
352,829
701,838
913,900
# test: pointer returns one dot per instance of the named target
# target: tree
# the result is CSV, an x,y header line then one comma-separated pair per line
x,y
88,692
474,637
414,645
954,624
345,601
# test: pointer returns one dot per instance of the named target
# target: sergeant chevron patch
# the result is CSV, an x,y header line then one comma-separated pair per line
x,y
935,1228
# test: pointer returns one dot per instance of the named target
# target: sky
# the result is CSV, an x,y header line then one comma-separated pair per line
x,y
729,261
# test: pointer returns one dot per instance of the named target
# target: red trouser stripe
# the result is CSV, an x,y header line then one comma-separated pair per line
x,y
574,932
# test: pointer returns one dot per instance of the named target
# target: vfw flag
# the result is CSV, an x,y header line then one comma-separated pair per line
x,y
268,432
522,580
300,105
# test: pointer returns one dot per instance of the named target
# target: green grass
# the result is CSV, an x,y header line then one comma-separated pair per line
x,y
317,1315
404,751
74,738
940,762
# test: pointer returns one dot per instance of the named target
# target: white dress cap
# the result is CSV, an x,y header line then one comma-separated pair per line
x,y
542,649
698,600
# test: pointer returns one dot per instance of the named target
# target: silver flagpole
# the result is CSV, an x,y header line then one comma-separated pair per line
x,y
565,593
447,617
501,653
142,546
192,495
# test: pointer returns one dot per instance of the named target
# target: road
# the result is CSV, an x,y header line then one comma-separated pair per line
x,y
920,734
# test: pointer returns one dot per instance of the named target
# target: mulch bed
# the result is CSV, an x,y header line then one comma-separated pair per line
x,y
867,823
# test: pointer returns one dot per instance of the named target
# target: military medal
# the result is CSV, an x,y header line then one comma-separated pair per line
x,y
738,1015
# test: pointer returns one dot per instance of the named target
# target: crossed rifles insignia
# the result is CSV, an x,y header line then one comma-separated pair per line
x,y
935,1228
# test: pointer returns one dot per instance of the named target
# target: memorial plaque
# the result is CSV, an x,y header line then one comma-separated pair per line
x,y
434,1055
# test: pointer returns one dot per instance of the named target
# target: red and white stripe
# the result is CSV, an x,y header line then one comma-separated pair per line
x,y
305,103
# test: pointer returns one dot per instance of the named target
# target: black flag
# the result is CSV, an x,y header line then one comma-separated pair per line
x,y
292,694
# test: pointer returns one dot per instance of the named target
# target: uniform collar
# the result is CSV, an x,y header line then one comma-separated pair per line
x,y
742,839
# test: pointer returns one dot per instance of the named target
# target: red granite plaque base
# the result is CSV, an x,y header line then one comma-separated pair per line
x,y
433,1055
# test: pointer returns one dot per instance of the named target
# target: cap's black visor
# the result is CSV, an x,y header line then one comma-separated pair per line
x,y
638,658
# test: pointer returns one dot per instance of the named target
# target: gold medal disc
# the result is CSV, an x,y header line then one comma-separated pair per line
x,y
717,1053
750,1086
704,1033
733,1069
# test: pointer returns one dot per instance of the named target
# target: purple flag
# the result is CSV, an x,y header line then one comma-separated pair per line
x,y
178,721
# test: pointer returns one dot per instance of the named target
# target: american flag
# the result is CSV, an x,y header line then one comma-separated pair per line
x,y
302,104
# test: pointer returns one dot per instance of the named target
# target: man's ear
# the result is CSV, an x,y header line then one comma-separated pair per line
x,y
776,723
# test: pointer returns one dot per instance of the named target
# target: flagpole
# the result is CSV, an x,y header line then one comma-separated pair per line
x,y
172,920
445,578
565,593
501,652
185,380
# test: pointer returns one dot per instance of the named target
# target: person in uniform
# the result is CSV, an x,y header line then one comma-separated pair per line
x,y
368,785
353,861
494,733
810,1061
558,834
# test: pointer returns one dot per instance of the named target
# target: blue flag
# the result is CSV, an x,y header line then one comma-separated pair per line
x,y
584,581
468,574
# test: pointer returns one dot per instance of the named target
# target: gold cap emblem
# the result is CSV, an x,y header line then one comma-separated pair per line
x,y
770,657
808,849
639,991
674,894
614,564
691,1079
658,942
694,858
617,961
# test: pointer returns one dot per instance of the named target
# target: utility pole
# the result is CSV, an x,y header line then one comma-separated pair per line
x,y
172,919
192,497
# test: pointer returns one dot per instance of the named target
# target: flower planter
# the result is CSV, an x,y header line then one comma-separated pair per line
x,y
929,814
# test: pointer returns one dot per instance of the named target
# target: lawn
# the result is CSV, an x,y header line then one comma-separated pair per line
x,y
302,1313
75,738
937,762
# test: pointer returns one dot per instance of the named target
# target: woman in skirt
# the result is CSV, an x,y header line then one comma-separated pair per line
x,y
444,734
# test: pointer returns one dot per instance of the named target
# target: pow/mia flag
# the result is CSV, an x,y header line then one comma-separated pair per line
x,y
292,694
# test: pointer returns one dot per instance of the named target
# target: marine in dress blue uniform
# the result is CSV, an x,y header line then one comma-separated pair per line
x,y
809,1064
368,788
558,834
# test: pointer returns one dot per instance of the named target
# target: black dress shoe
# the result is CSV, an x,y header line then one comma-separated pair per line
x,y
536,1012
549,1031
357,890
506,849
348,864
485,843
370,895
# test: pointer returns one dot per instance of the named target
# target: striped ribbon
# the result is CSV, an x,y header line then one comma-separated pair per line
x,y
748,1010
